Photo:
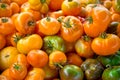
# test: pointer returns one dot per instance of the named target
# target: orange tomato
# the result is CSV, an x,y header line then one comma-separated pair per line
x,y
37,58
73,58
5,1
83,47
26,8
15,7
5,10
106,44
71,29
18,71
57,59
19,2
49,26
71,7
35,74
55,4
6,26
97,21
25,23
2,41
115,17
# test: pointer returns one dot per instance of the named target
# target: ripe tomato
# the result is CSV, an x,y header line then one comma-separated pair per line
x,y
7,55
6,26
83,47
5,10
29,43
18,71
49,26
5,1
2,41
71,7
37,58
15,7
71,29
56,59
25,23
106,44
98,16
35,74
19,2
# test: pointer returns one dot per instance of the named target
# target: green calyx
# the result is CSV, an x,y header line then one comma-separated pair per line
x,y
3,6
4,20
43,1
89,19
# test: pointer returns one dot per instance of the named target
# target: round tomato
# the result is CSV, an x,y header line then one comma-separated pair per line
x,y
37,58
106,44
15,7
71,29
7,56
18,71
49,26
28,43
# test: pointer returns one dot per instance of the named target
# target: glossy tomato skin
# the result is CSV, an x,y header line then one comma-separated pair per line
x,y
110,44
92,68
2,41
7,56
98,16
71,72
111,73
26,44
72,29
52,43
112,60
37,58
71,7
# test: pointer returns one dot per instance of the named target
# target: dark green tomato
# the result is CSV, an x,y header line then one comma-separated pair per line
x,y
112,28
112,60
71,72
92,68
111,73
116,5
52,43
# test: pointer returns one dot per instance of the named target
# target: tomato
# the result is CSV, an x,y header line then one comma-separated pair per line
x,y
50,74
29,43
6,26
83,47
55,4
21,58
5,1
37,58
7,55
107,4
19,2
40,5
18,71
112,60
56,59
5,10
49,26
93,69
26,8
115,17
52,43
73,58
71,72
116,6
2,41
25,23
35,74
106,44
15,7
111,73
71,29
98,16
71,7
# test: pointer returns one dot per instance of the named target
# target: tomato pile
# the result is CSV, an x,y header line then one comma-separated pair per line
x,y
59,39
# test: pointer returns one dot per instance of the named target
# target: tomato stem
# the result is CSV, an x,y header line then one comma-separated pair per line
x,y
17,38
50,45
4,20
59,65
103,35
67,23
42,1
86,38
48,19
31,23
16,66
3,6
69,0
90,19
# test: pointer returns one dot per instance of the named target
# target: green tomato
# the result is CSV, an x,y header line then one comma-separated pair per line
x,y
111,73
112,60
52,43
71,72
